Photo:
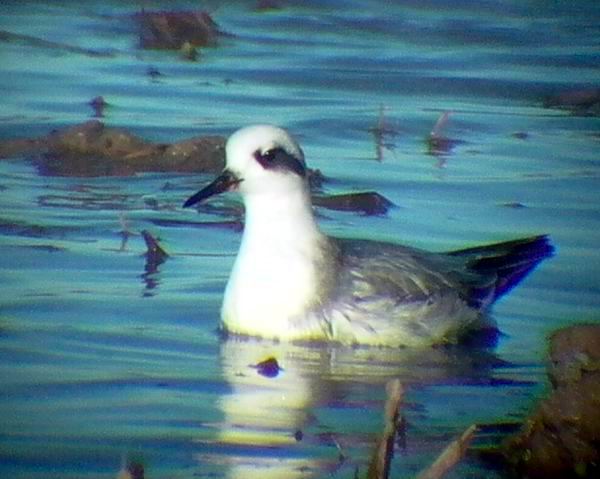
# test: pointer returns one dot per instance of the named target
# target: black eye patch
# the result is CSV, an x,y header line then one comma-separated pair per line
x,y
279,159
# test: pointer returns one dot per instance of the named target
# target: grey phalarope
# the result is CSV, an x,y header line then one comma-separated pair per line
x,y
292,282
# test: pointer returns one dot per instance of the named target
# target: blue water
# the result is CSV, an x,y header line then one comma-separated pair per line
x,y
101,361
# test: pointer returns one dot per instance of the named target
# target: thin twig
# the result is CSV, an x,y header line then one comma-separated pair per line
x,y
449,456
379,468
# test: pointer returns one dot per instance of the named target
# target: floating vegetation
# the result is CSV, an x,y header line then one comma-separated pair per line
x,y
369,202
173,30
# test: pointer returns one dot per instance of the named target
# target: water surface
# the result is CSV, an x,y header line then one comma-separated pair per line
x,y
103,360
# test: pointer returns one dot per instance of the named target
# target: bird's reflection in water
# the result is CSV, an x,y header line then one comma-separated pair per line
x,y
273,422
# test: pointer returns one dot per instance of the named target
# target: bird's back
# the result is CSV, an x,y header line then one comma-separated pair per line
x,y
389,294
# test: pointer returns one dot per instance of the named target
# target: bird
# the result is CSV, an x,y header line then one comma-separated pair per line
x,y
292,282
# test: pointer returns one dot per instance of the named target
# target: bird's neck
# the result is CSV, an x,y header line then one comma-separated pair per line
x,y
281,220
281,269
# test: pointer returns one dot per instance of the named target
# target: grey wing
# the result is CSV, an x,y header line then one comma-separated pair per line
x,y
396,295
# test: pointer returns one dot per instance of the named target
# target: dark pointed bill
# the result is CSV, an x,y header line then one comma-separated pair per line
x,y
224,182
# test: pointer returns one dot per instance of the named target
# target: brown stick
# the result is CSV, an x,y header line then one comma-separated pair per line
x,y
379,467
449,456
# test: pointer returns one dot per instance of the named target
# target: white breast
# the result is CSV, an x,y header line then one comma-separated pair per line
x,y
275,278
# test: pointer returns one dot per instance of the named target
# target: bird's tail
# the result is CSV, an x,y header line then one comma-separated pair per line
x,y
507,262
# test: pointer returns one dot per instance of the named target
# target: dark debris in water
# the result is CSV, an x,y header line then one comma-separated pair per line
x,y
513,204
173,30
155,254
580,101
438,144
94,149
520,135
154,73
97,201
48,248
382,133
268,368
98,104
31,230
368,203
560,439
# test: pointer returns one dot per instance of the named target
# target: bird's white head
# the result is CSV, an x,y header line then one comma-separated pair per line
x,y
260,160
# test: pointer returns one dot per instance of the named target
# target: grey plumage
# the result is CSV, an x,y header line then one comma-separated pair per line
x,y
408,296
292,282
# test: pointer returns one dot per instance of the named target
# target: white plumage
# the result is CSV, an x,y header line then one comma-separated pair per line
x,y
292,282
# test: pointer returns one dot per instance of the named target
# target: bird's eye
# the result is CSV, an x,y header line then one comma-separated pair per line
x,y
278,159
266,156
